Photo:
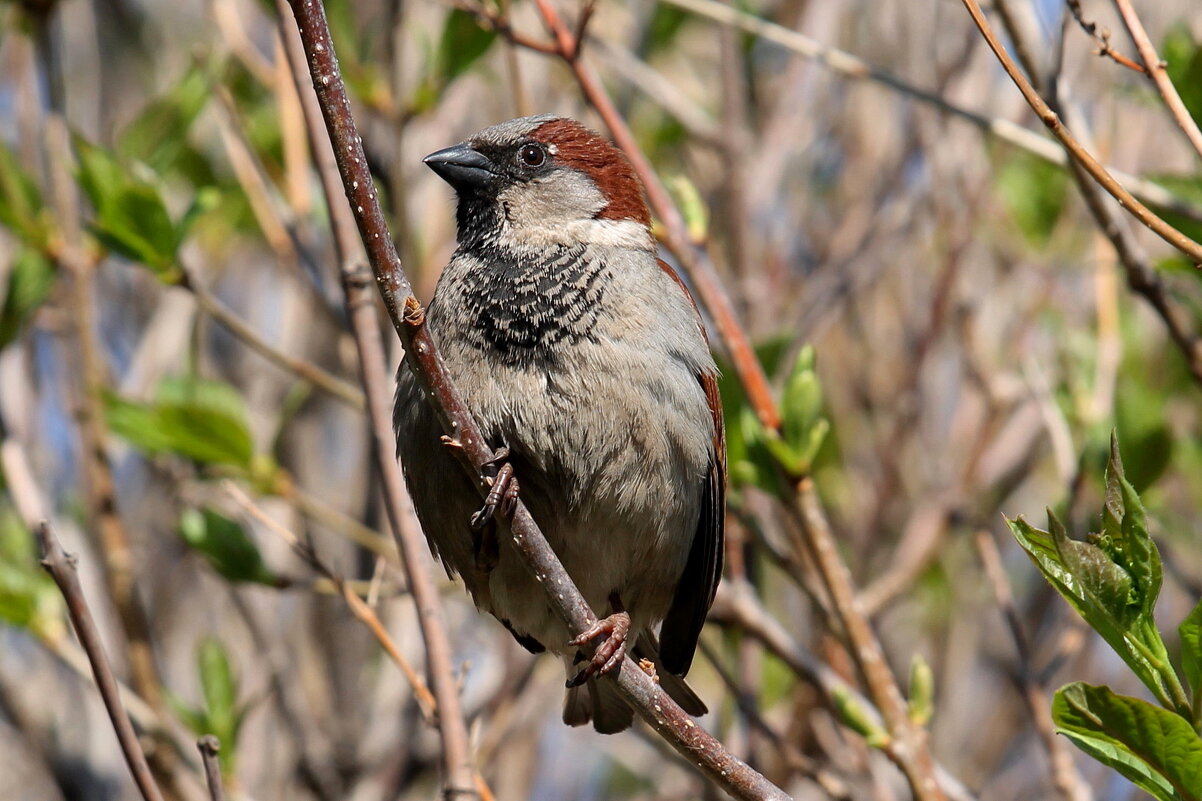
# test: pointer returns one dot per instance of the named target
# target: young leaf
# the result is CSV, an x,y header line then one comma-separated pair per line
x,y
20,201
1191,649
219,685
131,218
1154,748
463,41
190,417
226,546
922,690
158,136
1100,591
29,283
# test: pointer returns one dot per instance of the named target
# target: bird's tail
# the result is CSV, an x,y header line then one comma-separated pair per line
x,y
599,702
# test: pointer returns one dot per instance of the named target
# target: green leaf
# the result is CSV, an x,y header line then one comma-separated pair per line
x,y
20,201
1183,60
1191,649
158,136
28,597
463,41
1154,748
131,218
190,417
226,546
665,23
851,713
30,280
1034,194
1099,590
219,685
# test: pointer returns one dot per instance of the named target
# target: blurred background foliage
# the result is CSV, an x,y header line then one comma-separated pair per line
x,y
950,335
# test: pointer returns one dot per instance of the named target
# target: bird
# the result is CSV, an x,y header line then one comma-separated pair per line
x,y
584,360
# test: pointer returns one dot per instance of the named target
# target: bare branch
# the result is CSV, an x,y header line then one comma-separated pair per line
x,y
460,780
306,371
359,608
1101,37
849,66
1068,781
61,568
1155,69
1082,156
209,747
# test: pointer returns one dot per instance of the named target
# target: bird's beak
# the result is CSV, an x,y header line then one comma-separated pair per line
x,y
461,166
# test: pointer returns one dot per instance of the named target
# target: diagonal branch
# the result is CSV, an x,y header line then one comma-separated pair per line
x,y
459,779
1154,67
1075,149
408,317
61,568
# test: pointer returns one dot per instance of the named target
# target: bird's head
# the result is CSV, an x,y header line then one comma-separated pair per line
x,y
544,180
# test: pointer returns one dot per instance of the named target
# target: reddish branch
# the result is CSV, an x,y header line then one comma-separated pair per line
x,y
408,317
61,568
1101,37
696,263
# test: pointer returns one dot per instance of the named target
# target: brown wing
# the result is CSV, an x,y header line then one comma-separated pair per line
x,y
699,582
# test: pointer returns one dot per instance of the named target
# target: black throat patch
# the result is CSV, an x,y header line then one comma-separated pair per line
x,y
522,303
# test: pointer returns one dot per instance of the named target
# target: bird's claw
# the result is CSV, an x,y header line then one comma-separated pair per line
x,y
503,495
609,652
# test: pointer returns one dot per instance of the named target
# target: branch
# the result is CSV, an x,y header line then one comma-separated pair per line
x,y
1154,67
843,63
61,568
1102,38
359,608
695,262
1142,277
347,158
911,751
1068,781
408,317
1082,156
306,371
209,746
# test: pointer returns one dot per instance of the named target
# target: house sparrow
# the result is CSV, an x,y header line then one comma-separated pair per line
x,y
585,363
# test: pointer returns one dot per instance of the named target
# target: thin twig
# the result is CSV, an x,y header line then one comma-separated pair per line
x,y
911,751
1101,37
359,608
1082,156
849,66
1068,781
209,747
1159,75
1142,277
61,568
460,779
408,318
306,371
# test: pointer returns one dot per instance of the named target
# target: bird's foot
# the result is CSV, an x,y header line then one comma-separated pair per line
x,y
610,651
503,489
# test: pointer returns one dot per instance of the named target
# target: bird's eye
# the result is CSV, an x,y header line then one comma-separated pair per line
x,y
532,155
